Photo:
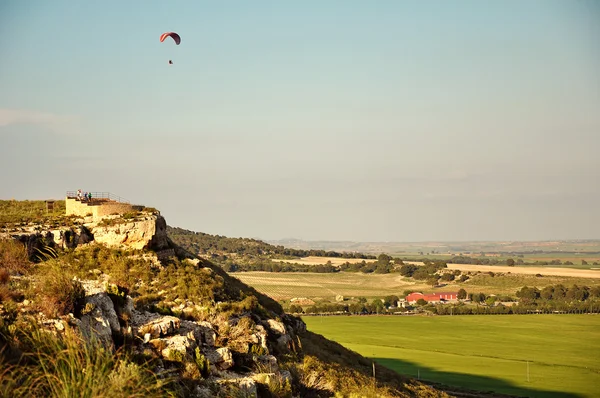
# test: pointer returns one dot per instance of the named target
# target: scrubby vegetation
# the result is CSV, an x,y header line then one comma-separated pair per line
x,y
202,243
37,361
47,365
19,213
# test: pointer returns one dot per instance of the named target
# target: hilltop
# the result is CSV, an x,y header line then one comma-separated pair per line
x,y
130,312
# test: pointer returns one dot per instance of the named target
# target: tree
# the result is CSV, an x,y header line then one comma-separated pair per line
x,y
462,294
583,262
528,293
295,309
433,280
377,306
510,262
421,302
420,274
447,277
408,269
547,292
383,259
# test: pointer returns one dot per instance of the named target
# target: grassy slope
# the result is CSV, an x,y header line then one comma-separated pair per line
x,y
481,352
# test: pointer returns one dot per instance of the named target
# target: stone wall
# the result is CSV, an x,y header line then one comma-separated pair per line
x,y
96,209
107,209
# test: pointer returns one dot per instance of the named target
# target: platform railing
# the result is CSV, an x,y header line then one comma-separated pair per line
x,y
99,196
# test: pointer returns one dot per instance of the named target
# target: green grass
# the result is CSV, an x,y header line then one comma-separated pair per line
x,y
486,353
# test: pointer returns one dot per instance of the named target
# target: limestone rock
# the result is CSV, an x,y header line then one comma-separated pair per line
x,y
102,321
221,358
248,386
176,347
276,326
155,324
259,336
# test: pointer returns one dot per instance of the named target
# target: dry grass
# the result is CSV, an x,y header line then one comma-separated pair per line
x,y
316,286
13,257
284,286
550,271
316,260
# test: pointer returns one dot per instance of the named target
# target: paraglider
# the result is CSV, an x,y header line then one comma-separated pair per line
x,y
176,38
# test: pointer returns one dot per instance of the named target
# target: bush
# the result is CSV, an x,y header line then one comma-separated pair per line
x,y
201,362
59,293
67,366
13,257
4,276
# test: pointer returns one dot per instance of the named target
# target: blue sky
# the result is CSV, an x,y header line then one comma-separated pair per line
x,y
339,120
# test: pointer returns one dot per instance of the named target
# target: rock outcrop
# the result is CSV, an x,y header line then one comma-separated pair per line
x,y
148,232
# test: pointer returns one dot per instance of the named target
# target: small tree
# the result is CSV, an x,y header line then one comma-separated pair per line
x,y
384,259
421,302
295,309
433,280
510,262
462,294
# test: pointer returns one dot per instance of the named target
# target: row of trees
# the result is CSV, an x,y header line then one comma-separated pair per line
x,y
521,308
361,306
558,293
509,261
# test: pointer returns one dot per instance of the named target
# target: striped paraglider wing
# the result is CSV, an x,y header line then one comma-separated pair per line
x,y
172,35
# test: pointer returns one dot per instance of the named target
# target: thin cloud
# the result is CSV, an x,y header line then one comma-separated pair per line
x,y
52,121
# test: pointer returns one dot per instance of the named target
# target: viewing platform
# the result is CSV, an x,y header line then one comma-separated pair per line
x,y
101,204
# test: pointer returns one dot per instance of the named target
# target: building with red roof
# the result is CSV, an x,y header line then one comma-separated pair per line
x,y
440,297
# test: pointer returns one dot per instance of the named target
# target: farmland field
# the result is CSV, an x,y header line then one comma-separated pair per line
x,y
316,260
286,285
554,356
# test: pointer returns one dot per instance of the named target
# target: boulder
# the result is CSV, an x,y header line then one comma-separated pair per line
x,y
221,358
177,347
156,325
102,320
275,326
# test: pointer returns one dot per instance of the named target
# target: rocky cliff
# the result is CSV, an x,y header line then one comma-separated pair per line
x,y
147,231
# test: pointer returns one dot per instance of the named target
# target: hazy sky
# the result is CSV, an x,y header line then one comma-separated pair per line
x,y
339,120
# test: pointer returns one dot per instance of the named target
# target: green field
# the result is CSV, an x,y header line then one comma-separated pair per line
x,y
525,355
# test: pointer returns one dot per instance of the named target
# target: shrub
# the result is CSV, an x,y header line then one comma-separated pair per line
x,y
5,293
67,366
4,276
59,293
13,257
201,362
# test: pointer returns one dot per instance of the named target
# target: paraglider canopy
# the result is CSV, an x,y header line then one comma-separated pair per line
x,y
172,35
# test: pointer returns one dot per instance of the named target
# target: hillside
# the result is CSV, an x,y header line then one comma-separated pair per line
x,y
145,317
202,243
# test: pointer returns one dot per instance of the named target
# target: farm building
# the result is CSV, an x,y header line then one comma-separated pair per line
x,y
433,297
